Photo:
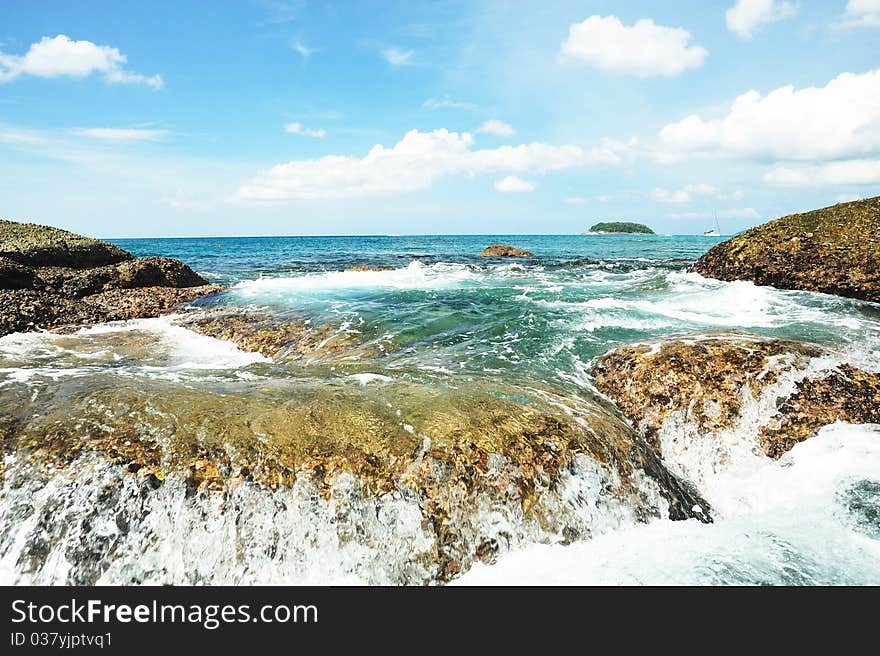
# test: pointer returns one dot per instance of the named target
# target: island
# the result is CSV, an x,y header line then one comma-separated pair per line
x,y
620,228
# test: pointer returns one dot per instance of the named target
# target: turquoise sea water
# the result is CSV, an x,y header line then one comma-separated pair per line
x,y
543,318
436,316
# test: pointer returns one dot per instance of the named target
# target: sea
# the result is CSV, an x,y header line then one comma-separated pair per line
x,y
543,320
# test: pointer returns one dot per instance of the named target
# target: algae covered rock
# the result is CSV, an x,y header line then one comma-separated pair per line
x,y
38,245
451,474
734,385
503,250
835,250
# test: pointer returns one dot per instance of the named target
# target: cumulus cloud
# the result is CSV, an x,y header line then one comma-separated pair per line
x,y
120,135
397,57
298,128
414,163
837,121
862,13
847,172
746,16
514,184
62,57
496,128
644,49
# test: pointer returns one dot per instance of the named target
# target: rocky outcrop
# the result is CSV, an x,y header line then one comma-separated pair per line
x,y
835,250
35,245
781,391
454,456
51,278
503,250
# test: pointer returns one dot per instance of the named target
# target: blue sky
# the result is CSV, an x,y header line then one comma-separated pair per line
x,y
271,117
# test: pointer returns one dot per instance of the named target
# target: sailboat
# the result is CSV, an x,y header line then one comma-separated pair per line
x,y
714,231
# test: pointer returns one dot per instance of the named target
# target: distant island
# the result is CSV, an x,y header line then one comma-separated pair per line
x,y
620,228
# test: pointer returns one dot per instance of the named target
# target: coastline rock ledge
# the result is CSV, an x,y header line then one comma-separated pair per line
x,y
835,250
51,278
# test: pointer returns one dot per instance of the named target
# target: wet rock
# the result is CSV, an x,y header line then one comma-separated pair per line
x,y
835,250
51,278
778,390
285,339
460,455
503,250
362,267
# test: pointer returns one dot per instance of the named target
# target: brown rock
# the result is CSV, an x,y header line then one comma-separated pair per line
x,y
503,250
51,278
705,377
835,250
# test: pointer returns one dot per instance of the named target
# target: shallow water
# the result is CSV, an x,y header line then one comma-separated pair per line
x,y
439,315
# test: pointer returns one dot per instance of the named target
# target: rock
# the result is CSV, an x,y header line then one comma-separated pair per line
x,y
835,250
776,390
285,339
16,276
361,267
145,302
502,250
51,278
454,456
37,245
156,272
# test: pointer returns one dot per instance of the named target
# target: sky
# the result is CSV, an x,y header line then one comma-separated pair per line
x,y
293,117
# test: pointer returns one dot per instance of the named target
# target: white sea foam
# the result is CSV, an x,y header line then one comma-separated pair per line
x,y
798,520
154,346
414,276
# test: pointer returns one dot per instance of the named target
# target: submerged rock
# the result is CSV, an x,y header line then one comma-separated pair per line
x,y
705,385
285,339
51,278
503,250
475,471
835,250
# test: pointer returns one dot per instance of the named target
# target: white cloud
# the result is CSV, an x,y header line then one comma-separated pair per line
x,y
447,103
397,57
298,128
862,13
513,184
664,196
684,195
576,200
60,56
304,51
644,49
120,135
747,15
839,120
415,163
17,137
845,172
736,213
496,128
